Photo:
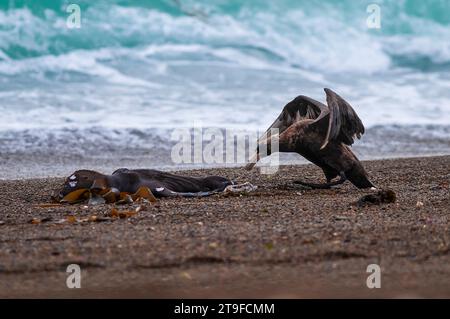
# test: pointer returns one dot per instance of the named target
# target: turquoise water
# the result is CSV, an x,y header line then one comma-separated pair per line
x,y
152,65
35,28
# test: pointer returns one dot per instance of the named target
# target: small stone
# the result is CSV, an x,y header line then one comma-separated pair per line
x,y
97,200
340,218
419,204
186,275
71,219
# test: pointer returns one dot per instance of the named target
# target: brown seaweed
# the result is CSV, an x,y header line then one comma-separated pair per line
x,y
101,196
144,192
76,196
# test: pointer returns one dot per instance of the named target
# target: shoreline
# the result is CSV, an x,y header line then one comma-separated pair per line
x,y
30,155
279,241
289,160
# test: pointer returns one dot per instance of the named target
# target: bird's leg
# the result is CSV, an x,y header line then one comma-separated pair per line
x,y
341,180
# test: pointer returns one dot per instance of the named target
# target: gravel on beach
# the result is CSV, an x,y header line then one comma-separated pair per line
x,y
278,241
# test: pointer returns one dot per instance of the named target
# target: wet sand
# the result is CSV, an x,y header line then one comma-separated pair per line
x,y
279,241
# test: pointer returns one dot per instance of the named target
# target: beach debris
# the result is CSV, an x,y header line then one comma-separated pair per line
x,y
244,188
338,217
113,215
49,205
36,221
124,198
186,275
419,204
139,208
95,197
144,192
440,186
71,219
123,214
76,196
111,195
96,200
213,245
383,196
97,219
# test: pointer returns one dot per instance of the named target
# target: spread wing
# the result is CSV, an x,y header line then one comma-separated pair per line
x,y
300,108
343,122
338,122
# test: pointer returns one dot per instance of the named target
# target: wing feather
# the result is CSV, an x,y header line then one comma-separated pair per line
x,y
343,123
300,108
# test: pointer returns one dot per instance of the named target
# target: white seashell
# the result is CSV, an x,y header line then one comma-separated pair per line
x,y
159,189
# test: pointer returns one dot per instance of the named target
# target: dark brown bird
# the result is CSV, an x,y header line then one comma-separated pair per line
x,y
321,134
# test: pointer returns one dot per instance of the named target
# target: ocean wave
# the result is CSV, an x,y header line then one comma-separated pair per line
x,y
229,64
311,35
